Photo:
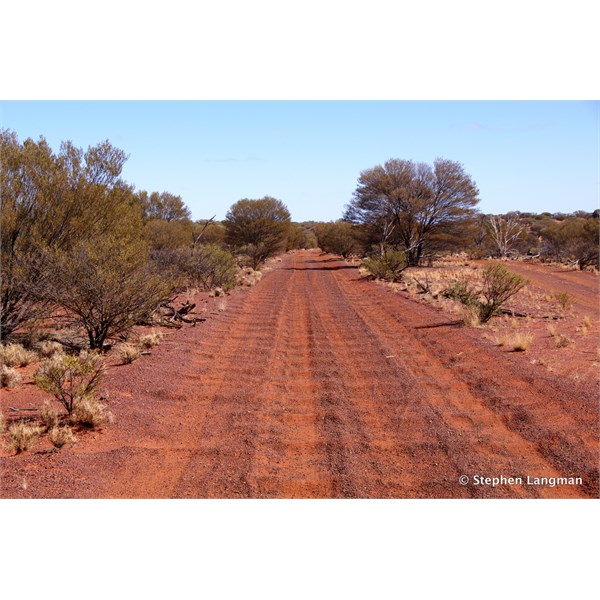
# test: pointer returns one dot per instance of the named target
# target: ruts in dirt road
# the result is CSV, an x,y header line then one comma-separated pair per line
x,y
318,383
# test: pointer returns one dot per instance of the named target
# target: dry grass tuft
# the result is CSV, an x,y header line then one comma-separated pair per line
x,y
127,353
501,340
48,415
90,412
585,326
248,277
14,355
9,377
59,436
563,341
48,349
149,340
470,316
521,342
22,435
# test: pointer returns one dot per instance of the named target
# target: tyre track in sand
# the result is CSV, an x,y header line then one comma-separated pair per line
x,y
330,393
317,383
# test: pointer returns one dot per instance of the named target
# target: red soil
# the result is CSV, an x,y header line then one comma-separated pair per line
x,y
317,383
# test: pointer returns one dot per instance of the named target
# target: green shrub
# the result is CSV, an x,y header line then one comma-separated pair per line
x,y
70,379
211,267
499,284
461,290
337,238
388,265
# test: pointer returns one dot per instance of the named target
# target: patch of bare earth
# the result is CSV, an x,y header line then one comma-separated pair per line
x,y
317,383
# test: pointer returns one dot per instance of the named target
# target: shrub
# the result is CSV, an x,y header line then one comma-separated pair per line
x,y
563,299
149,340
49,416
499,284
106,284
89,411
59,436
14,355
9,377
210,267
22,435
70,379
388,265
127,353
337,238
461,290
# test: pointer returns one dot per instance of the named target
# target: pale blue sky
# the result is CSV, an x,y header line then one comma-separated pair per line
x,y
528,156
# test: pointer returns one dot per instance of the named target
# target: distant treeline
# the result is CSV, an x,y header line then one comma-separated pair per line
x,y
79,242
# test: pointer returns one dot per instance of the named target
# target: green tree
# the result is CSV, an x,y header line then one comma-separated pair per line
x,y
574,240
258,228
49,203
165,206
405,203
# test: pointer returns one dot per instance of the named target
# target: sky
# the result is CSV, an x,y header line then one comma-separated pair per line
x,y
532,156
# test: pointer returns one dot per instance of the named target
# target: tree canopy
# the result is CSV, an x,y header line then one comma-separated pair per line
x,y
404,203
258,228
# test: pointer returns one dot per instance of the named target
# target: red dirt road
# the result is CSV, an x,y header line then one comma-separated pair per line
x,y
319,384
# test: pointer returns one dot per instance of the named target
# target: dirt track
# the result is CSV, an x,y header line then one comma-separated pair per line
x,y
318,383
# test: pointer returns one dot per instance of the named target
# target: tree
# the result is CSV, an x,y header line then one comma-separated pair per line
x,y
258,228
50,202
405,203
165,206
575,240
504,232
